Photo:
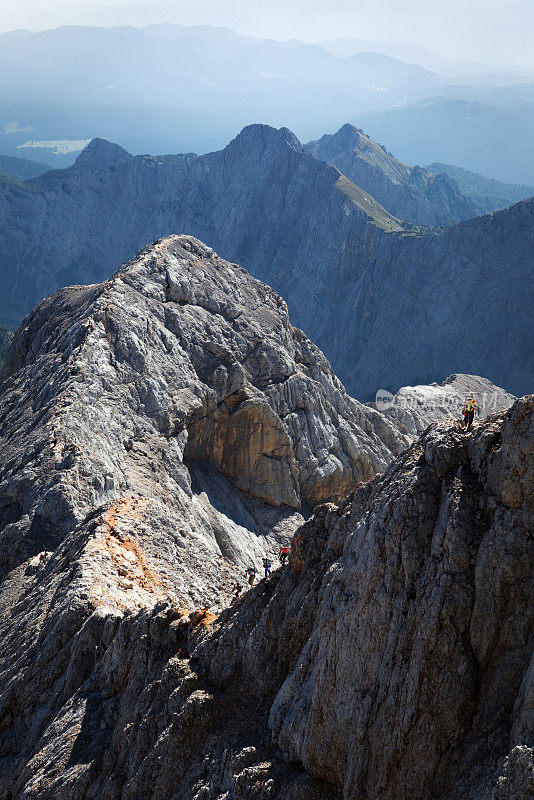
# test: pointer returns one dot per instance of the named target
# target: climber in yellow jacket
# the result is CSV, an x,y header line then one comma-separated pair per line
x,y
469,410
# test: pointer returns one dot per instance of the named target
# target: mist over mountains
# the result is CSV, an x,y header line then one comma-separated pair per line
x,y
479,137
172,88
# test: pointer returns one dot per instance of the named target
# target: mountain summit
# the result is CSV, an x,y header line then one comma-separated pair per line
x,y
100,153
179,381
410,193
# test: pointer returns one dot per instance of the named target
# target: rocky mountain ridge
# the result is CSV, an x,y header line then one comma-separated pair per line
x,y
389,305
6,337
20,169
486,193
393,654
410,193
176,392
226,198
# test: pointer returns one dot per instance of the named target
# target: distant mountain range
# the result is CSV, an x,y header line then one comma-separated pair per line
x,y
481,73
175,66
486,193
494,141
20,169
171,88
344,46
389,303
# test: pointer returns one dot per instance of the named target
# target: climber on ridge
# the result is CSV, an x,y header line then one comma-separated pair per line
x,y
250,574
267,564
469,410
236,589
283,553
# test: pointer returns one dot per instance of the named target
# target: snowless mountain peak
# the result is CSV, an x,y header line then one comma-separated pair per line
x,y
101,153
266,136
179,379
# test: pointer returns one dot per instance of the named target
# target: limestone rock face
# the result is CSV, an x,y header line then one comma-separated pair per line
x,y
179,385
392,658
428,619
160,432
402,637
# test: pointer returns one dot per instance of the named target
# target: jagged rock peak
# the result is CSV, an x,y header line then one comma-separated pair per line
x,y
181,381
349,133
100,153
349,137
262,136
409,193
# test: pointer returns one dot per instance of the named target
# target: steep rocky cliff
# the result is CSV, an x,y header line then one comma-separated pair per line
x,y
439,305
391,658
411,193
176,394
388,308
6,337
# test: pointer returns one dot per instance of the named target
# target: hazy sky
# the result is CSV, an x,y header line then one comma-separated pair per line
x,y
498,31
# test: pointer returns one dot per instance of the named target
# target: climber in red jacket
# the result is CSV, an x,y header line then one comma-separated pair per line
x,y
283,553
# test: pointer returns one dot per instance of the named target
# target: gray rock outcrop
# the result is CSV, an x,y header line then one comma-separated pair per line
x,y
391,658
176,394
414,408
429,614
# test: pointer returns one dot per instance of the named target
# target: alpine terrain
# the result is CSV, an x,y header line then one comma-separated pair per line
x,y
411,193
165,429
390,303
